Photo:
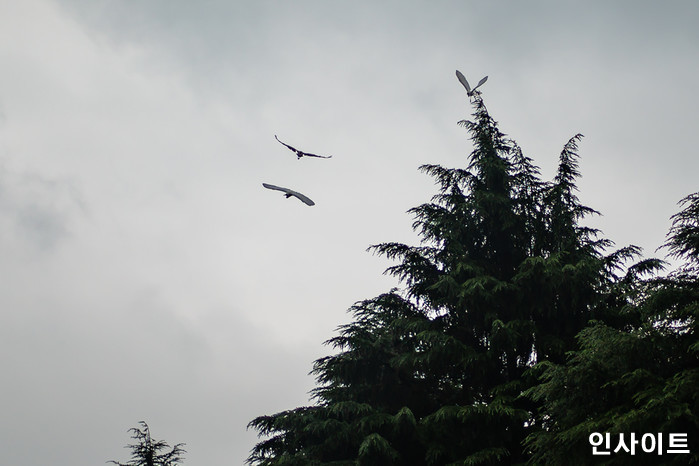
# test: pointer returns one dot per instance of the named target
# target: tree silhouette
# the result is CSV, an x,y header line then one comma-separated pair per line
x,y
636,374
148,452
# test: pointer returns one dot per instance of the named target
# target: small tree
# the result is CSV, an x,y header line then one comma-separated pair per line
x,y
147,452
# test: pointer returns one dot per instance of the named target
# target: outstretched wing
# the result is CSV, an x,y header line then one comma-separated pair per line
x,y
306,154
463,81
292,149
300,153
305,199
277,188
480,83
290,192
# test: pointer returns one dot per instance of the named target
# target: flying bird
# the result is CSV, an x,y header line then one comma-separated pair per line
x,y
463,81
299,153
288,193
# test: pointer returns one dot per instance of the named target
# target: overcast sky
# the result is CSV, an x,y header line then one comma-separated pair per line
x,y
146,274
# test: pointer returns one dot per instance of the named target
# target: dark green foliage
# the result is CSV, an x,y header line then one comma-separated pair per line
x,y
149,452
683,240
640,375
444,371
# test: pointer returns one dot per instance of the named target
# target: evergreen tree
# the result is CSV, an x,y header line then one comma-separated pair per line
x,y
639,373
148,452
433,373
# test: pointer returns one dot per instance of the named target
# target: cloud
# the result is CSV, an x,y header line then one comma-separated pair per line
x,y
36,212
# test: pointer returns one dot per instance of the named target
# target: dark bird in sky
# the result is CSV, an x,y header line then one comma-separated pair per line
x,y
463,81
299,153
288,193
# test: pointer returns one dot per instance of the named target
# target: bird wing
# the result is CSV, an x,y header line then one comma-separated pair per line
x,y
290,192
314,155
463,81
271,186
293,149
306,200
480,83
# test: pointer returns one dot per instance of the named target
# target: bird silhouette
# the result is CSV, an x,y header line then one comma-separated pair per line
x,y
289,192
462,80
299,153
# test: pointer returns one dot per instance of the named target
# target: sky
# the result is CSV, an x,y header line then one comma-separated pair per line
x,y
146,274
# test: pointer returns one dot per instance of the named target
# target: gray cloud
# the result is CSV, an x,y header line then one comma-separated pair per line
x,y
36,211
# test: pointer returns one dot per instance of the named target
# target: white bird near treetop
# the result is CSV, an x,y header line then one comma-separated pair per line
x,y
462,80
